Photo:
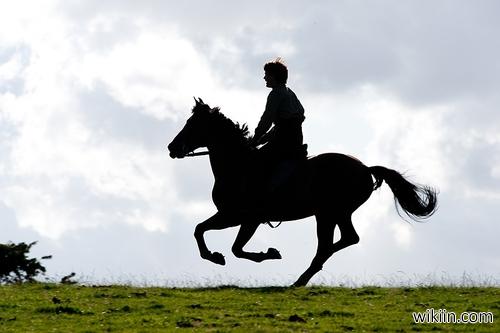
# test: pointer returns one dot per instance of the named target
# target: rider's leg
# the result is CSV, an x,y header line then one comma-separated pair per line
x,y
280,172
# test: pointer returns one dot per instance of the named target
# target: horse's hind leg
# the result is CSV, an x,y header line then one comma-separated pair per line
x,y
325,224
348,235
216,222
247,230
325,227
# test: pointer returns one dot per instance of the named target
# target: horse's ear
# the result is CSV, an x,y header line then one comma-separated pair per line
x,y
200,101
196,101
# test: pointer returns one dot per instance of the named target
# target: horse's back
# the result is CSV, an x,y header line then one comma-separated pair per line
x,y
324,181
339,178
336,164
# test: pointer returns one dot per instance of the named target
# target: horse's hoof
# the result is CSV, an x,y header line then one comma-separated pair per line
x,y
218,258
298,284
272,253
301,282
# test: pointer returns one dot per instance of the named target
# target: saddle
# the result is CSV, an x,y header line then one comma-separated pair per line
x,y
264,183
270,177
283,169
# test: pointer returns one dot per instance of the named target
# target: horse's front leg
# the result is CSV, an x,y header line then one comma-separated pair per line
x,y
247,230
216,222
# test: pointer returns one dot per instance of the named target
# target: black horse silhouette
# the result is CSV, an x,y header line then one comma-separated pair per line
x,y
330,186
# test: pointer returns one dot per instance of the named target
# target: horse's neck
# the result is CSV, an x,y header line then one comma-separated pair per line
x,y
228,152
227,161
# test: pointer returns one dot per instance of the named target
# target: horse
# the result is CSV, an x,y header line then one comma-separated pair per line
x,y
330,186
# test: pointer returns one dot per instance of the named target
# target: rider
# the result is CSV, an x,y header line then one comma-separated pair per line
x,y
284,141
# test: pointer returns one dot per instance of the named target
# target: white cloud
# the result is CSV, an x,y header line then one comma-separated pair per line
x,y
59,167
91,92
154,71
407,139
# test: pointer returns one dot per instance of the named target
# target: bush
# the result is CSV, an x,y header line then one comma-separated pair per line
x,y
15,266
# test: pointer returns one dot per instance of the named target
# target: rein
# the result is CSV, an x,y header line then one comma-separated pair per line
x,y
200,153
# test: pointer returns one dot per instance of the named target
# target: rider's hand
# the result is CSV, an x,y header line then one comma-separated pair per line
x,y
254,142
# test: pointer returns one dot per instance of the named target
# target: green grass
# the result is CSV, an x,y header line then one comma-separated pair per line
x,y
73,308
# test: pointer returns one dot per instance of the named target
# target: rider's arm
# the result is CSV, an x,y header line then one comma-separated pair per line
x,y
266,136
268,117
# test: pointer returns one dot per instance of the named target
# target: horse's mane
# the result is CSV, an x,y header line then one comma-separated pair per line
x,y
223,124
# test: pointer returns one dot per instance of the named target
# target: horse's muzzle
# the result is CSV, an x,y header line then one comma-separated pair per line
x,y
177,151
173,155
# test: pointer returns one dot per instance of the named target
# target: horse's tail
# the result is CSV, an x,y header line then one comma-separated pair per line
x,y
417,201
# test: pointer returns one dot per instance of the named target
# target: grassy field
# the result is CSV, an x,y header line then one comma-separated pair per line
x,y
74,308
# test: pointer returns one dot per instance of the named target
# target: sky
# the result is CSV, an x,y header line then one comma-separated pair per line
x,y
91,92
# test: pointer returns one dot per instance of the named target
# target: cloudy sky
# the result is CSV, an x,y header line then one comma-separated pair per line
x,y
92,91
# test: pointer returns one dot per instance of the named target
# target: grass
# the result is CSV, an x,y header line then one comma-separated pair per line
x,y
74,308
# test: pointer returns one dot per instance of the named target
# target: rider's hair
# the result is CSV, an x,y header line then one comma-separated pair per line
x,y
278,70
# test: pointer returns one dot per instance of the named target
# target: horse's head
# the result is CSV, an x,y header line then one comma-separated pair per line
x,y
195,133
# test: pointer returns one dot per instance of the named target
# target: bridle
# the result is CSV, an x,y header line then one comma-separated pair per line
x,y
199,153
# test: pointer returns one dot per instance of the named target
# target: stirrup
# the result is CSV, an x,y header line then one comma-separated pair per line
x,y
272,226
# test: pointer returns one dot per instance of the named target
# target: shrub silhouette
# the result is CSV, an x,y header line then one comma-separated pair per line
x,y
15,266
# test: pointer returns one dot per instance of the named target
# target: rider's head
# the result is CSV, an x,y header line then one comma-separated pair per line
x,y
277,70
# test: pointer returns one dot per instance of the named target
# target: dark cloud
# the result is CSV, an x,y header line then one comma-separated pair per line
x,y
423,54
118,253
193,179
110,120
420,54
478,162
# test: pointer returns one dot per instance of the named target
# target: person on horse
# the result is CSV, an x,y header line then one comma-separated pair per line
x,y
283,142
